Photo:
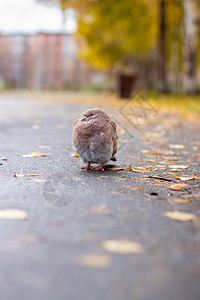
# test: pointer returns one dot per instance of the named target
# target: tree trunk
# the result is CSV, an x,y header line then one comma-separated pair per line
x,y
162,47
190,8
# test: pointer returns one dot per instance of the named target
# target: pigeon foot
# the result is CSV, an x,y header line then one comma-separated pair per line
x,y
100,168
88,167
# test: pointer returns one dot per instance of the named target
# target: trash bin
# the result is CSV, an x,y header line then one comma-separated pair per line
x,y
125,85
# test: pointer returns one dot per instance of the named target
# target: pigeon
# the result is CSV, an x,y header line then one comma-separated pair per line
x,y
94,138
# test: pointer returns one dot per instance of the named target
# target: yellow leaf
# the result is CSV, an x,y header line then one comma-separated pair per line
x,y
174,146
114,169
134,187
15,214
178,167
101,209
74,154
19,175
177,186
185,178
122,246
180,216
179,200
93,260
33,154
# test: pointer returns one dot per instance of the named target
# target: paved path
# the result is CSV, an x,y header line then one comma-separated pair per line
x,y
72,212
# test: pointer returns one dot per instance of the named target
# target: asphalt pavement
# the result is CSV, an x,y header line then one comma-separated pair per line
x,y
59,251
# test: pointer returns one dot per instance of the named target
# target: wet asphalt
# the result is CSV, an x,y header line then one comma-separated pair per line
x,y
39,255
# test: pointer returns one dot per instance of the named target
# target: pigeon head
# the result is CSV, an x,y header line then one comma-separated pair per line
x,y
94,114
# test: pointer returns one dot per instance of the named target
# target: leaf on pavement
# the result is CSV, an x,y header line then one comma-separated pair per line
x,y
143,169
180,216
186,178
15,214
177,186
182,167
179,200
74,154
19,175
134,187
101,209
93,260
33,154
115,169
175,146
122,246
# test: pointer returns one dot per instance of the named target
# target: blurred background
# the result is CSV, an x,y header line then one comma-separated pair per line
x,y
95,45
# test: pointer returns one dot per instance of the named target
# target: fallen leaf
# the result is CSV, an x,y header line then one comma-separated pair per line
x,y
134,187
33,154
177,186
69,148
93,260
178,166
34,174
179,200
101,209
180,216
44,147
143,169
19,175
74,154
185,178
114,169
3,158
175,146
15,214
122,246
194,196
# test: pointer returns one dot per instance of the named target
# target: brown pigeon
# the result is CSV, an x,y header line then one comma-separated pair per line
x,y
94,138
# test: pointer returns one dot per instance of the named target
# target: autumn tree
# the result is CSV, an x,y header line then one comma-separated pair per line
x,y
190,46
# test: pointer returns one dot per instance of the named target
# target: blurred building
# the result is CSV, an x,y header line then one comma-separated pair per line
x,y
43,60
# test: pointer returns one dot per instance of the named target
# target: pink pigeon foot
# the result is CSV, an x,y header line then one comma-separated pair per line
x,y
100,168
88,167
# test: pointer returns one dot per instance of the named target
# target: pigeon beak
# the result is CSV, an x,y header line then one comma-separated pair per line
x,y
84,119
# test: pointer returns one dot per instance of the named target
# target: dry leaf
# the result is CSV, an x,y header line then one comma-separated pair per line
x,y
101,209
93,260
178,167
122,246
179,200
33,154
19,175
74,154
3,158
177,186
15,214
114,169
194,196
44,147
69,148
143,169
180,216
185,178
174,146
134,187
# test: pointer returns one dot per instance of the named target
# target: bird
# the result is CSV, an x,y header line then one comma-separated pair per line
x,y
94,138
